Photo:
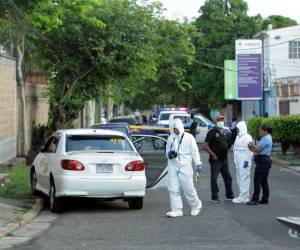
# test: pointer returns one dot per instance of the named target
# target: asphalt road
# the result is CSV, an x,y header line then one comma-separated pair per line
x,y
91,224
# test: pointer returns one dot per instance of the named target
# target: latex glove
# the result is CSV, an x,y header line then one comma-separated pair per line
x,y
198,168
197,176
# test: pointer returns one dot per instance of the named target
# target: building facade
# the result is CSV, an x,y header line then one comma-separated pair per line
x,y
281,73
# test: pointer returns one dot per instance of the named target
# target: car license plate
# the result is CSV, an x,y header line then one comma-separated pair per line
x,y
104,168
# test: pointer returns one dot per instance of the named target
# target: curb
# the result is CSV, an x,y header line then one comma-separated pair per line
x,y
26,218
280,162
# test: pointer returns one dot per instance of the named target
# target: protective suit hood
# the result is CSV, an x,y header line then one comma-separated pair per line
x,y
179,125
242,128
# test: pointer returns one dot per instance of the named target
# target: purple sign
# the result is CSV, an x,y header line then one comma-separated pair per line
x,y
249,76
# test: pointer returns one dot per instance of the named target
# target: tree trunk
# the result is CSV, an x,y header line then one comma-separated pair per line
x,y
25,137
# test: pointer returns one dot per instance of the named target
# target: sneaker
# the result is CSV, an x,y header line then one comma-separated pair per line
x,y
252,203
263,202
237,200
215,200
176,213
196,211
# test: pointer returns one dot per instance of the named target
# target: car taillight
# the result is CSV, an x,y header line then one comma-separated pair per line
x,y
72,165
135,166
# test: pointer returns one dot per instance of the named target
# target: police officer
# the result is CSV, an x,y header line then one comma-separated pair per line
x,y
263,164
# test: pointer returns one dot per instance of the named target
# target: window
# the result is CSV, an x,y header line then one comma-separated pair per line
x,y
97,142
295,89
294,50
54,144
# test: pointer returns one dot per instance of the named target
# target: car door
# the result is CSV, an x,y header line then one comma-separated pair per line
x,y
152,149
43,163
47,161
201,130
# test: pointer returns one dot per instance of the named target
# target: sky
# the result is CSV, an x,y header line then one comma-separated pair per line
x,y
189,8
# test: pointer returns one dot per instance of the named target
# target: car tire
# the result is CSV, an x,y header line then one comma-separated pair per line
x,y
33,181
55,204
136,203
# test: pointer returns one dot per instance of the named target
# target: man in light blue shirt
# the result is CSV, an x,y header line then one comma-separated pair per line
x,y
263,164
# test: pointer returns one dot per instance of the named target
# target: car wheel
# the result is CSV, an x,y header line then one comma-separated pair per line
x,y
55,203
33,181
135,203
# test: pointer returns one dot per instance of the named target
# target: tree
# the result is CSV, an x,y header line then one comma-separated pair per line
x,y
15,25
98,45
175,52
278,21
220,23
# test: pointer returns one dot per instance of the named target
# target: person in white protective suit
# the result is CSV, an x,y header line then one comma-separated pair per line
x,y
242,161
181,150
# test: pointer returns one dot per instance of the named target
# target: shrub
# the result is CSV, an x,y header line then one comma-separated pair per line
x,y
285,129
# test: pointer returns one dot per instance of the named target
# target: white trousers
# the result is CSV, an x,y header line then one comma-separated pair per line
x,y
243,179
181,177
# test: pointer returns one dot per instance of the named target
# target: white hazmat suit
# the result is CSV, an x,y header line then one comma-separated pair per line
x,y
180,170
242,161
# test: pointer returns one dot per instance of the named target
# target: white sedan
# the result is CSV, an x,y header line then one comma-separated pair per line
x,y
89,163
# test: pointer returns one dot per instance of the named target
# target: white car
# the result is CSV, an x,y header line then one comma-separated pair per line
x,y
204,124
163,117
89,163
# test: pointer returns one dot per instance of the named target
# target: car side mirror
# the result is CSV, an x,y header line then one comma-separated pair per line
x,y
42,149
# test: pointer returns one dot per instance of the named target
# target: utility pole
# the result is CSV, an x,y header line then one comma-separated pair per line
x,y
263,72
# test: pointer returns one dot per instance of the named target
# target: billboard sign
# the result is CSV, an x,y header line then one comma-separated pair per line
x,y
230,73
248,54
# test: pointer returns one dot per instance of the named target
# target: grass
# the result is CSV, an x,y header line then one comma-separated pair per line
x,y
17,186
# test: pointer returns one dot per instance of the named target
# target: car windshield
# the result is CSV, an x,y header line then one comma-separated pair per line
x,y
164,116
97,142
207,120
128,120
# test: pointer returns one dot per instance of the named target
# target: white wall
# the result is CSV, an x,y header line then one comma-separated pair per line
x,y
276,58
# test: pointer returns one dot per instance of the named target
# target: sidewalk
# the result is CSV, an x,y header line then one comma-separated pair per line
x,y
16,213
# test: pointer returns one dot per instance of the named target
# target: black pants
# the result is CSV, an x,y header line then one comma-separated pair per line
x,y
215,168
261,173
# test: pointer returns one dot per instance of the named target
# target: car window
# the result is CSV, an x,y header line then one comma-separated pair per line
x,y
122,129
48,144
207,120
200,122
54,144
164,116
128,120
97,142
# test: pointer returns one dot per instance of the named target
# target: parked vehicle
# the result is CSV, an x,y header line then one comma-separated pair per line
x,y
121,127
163,117
95,163
124,119
203,124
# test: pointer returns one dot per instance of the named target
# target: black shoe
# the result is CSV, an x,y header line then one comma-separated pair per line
x,y
252,203
263,202
215,200
229,198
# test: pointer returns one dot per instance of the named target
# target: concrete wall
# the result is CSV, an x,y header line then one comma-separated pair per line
x,y
8,131
37,109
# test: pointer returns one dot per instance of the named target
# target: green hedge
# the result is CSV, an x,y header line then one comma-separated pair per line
x,y
285,129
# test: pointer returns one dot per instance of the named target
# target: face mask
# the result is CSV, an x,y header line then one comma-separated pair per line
x,y
220,124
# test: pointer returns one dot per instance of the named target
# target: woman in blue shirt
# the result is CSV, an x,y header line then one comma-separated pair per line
x,y
263,164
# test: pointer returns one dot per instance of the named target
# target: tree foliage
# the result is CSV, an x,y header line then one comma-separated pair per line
x,y
95,46
220,23
278,21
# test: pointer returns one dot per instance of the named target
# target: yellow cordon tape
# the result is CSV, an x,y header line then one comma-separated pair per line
x,y
151,128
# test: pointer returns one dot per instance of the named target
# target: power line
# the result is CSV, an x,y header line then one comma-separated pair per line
x,y
261,47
